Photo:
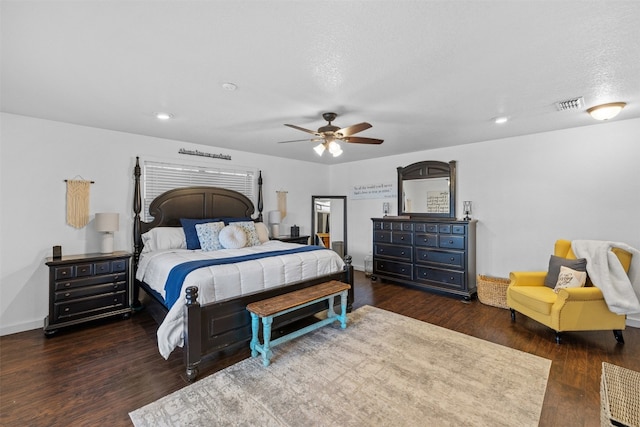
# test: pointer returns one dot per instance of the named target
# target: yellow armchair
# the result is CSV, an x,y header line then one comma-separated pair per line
x,y
571,309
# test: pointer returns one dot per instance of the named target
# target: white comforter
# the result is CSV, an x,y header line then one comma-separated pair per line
x,y
226,281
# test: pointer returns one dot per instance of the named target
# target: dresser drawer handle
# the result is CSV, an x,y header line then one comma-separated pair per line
x,y
402,253
66,309
63,273
451,242
66,285
115,286
452,259
402,238
67,294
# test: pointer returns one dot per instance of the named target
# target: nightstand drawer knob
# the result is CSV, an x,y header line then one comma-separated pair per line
x,y
66,309
67,294
66,285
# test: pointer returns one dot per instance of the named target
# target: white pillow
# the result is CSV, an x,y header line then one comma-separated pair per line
x,y
249,228
263,232
164,238
570,278
208,235
233,237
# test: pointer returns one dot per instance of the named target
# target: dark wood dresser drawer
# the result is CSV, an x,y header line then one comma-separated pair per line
x,y
452,279
429,240
453,259
398,252
382,236
394,269
90,290
451,242
402,238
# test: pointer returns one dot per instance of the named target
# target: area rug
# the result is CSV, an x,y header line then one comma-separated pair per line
x,y
383,370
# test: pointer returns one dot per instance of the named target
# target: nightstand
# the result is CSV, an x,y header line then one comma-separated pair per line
x,y
87,287
303,240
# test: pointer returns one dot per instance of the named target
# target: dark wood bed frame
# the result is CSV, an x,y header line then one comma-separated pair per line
x,y
211,328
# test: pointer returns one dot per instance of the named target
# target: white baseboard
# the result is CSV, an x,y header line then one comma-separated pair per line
x,y
633,321
21,327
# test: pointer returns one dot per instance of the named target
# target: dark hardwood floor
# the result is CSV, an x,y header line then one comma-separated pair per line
x,y
96,374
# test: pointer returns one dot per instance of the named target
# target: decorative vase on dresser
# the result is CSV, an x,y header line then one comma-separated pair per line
x,y
433,254
87,287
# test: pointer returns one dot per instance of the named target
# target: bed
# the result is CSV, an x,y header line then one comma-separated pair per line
x,y
207,316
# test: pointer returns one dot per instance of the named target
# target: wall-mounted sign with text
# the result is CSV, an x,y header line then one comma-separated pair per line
x,y
374,191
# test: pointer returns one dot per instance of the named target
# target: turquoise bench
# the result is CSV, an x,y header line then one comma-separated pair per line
x,y
270,308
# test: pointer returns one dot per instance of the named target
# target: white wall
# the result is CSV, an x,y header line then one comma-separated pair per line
x,y
38,155
527,192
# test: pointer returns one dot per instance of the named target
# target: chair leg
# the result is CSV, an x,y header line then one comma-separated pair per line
x,y
618,334
558,337
513,314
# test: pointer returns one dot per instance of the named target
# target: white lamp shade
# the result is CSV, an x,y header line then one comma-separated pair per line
x,y
108,222
275,217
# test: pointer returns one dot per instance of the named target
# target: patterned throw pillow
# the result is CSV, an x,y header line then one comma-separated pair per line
x,y
249,228
208,235
570,278
556,262
233,237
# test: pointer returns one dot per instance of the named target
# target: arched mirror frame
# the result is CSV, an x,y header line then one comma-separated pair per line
x,y
430,169
344,218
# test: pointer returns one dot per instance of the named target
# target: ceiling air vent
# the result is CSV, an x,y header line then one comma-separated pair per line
x,y
570,104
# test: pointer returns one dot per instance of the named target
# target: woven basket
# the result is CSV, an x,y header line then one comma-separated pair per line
x,y
619,396
493,290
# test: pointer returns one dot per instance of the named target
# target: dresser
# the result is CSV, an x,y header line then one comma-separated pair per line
x,y
436,255
87,287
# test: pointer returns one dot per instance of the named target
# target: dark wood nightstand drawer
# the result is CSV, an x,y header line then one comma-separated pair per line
x,y
89,305
89,281
89,291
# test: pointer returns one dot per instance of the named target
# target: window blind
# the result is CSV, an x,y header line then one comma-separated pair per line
x,y
158,177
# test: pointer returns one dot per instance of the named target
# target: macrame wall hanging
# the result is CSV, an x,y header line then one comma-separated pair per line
x,y
282,203
78,202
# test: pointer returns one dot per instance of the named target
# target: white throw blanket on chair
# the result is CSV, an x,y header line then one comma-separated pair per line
x,y
621,291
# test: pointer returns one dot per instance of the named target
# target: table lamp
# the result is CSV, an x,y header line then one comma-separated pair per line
x,y
274,220
107,223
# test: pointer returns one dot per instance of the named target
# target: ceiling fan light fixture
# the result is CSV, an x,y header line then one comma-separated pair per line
x,y
319,149
337,152
606,111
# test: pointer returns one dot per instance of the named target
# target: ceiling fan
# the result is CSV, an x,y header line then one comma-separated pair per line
x,y
329,134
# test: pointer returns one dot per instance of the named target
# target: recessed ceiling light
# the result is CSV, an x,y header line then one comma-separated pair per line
x,y
163,116
500,120
229,86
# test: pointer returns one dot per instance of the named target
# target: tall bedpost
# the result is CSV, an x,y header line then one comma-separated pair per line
x,y
260,196
137,241
192,333
349,277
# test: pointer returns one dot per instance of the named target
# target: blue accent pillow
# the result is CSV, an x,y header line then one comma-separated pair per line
x,y
189,227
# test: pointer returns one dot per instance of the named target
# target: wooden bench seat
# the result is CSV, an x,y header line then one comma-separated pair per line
x,y
270,308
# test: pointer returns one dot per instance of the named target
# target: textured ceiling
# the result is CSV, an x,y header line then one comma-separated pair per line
x,y
425,74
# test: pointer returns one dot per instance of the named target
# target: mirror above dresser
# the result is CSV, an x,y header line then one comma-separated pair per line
x,y
427,189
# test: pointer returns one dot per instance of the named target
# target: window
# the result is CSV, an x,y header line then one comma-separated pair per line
x,y
158,177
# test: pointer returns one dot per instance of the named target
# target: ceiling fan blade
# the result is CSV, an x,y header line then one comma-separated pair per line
x,y
361,140
303,129
351,130
301,140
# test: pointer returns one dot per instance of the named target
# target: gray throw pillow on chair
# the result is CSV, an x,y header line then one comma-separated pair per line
x,y
555,262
